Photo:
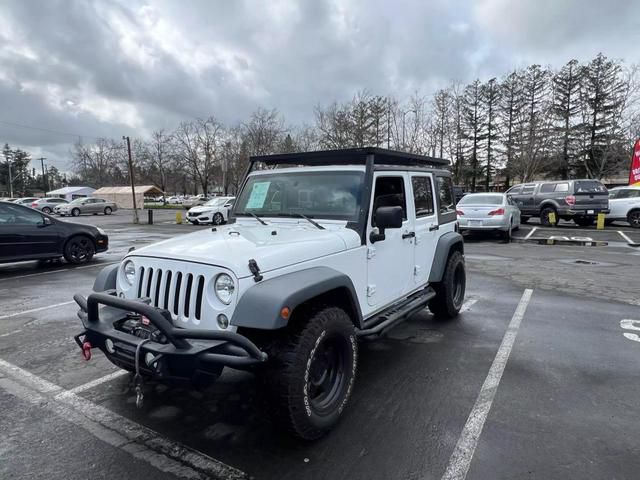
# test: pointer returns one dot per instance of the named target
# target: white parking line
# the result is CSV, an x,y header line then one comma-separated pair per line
x,y
34,310
468,304
46,272
460,460
626,238
137,440
530,233
96,382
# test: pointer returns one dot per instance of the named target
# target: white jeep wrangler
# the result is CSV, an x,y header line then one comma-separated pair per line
x,y
322,248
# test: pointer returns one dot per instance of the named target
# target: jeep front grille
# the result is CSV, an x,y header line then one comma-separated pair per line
x,y
180,293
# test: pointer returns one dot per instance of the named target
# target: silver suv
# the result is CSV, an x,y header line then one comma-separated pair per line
x,y
577,200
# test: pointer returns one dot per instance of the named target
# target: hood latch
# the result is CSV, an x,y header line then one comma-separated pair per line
x,y
255,270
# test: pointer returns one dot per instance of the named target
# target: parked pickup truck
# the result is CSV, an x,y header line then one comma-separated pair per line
x,y
577,200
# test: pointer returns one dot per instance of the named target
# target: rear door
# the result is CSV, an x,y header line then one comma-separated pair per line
x,y
426,225
526,200
591,195
24,234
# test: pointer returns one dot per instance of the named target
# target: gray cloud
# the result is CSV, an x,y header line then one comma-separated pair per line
x,y
108,69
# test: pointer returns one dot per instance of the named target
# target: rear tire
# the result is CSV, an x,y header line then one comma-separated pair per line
x,y
450,291
79,250
544,217
508,234
633,218
524,219
312,371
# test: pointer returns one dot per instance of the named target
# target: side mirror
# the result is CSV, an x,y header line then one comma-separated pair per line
x,y
386,217
46,221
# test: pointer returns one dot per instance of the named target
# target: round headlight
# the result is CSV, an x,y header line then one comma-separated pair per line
x,y
129,272
224,288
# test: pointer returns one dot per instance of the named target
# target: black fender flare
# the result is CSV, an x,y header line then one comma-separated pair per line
x,y
260,306
106,278
446,244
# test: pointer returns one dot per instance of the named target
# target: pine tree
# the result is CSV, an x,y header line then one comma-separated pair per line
x,y
474,126
490,98
603,100
511,104
566,112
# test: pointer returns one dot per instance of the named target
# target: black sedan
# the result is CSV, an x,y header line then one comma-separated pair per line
x,y
27,234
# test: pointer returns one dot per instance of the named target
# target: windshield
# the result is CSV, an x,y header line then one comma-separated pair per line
x,y
481,200
334,195
217,201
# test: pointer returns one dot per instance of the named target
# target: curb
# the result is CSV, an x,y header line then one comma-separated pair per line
x,y
556,241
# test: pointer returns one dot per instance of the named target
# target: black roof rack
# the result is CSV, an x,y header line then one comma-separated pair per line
x,y
351,156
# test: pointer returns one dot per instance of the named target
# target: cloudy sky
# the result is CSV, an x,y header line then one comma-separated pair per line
x,y
112,68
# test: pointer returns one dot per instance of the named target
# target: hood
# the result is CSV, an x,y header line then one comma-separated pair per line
x,y
232,246
204,208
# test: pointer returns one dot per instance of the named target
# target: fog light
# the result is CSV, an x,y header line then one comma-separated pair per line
x,y
148,358
108,344
223,321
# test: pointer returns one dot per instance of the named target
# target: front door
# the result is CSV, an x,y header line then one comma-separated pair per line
x,y
24,233
426,225
390,261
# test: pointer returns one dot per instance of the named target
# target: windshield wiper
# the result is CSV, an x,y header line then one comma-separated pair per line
x,y
312,222
254,216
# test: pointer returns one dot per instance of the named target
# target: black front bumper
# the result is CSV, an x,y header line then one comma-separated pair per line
x,y
185,354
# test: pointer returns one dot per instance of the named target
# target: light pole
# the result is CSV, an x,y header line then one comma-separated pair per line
x,y
133,188
10,179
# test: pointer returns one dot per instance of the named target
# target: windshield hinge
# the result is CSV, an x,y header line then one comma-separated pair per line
x,y
371,252
371,290
255,270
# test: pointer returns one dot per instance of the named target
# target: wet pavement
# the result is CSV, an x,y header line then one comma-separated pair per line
x,y
564,406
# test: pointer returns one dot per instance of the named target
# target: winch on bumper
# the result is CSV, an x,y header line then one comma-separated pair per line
x,y
121,327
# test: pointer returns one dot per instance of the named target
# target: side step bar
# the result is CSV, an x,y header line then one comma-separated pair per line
x,y
396,313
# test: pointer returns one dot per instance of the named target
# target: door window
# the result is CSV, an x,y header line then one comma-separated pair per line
x,y
515,190
422,196
528,189
445,191
13,215
547,187
562,187
389,192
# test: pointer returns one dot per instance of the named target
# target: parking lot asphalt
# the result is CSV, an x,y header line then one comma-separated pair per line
x,y
559,402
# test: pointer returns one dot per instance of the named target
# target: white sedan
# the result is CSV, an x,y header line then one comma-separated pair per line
x,y
215,211
488,211
624,204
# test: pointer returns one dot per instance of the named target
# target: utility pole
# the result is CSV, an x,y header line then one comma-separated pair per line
x,y
10,179
44,181
133,188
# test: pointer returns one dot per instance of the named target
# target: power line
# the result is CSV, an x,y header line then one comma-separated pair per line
x,y
57,132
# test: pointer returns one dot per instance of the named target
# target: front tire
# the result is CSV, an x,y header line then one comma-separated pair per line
x,y
218,219
75,212
312,373
450,291
46,210
79,250
107,210
634,218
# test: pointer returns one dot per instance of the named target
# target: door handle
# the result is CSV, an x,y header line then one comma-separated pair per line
x,y
408,235
434,227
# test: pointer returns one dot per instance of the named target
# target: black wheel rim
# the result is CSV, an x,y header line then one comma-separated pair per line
x,y
217,219
46,210
80,250
634,219
328,374
458,285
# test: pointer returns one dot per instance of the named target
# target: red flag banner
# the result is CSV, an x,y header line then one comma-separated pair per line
x,y
634,172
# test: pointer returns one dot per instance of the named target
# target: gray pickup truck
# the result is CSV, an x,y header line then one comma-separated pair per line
x,y
577,200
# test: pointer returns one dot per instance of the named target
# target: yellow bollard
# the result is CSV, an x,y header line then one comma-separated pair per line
x,y
179,218
600,222
552,218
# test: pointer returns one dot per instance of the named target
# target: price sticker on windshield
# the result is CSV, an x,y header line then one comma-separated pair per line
x,y
258,195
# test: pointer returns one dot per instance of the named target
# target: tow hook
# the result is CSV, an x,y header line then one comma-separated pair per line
x,y
86,351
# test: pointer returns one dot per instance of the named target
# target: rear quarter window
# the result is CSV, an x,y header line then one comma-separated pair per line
x,y
547,188
589,186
